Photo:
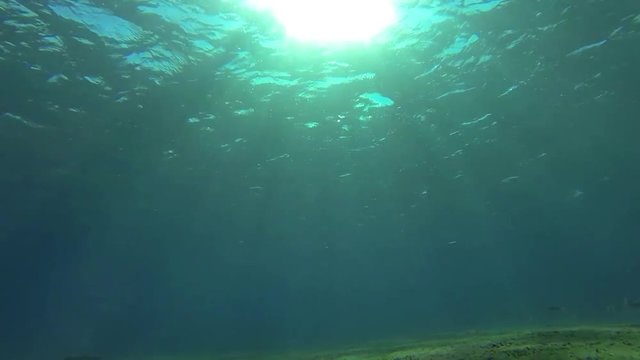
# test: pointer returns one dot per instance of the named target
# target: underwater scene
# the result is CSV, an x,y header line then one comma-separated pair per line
x,y
319,179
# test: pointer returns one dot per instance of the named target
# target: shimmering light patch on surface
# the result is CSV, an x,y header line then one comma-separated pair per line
x,y
377,99
437,43
272,78
331,21
193,19
16,6
420,19
51,43
83,41
157,59
203,45
461,43
99,21
370,100
322,85
479,6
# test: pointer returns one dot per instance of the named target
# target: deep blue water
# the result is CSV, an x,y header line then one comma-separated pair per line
x,y
178,177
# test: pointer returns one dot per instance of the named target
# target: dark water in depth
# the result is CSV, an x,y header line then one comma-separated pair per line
x,y
177,178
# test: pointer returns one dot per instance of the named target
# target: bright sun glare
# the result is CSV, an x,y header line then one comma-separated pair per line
x,y
332,21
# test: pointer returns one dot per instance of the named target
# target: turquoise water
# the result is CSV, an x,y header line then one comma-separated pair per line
x,y
179,177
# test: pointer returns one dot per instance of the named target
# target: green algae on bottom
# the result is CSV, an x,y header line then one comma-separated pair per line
x,y
620,342
579,343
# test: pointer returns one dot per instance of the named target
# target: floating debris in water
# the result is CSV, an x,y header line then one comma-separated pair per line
x,y
509,179
587,47
244,112
57,78
632,303
95,80
476,120
454,92
283,156
577,193
12,116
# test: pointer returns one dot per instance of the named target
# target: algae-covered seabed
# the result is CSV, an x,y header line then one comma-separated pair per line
x,y
580,343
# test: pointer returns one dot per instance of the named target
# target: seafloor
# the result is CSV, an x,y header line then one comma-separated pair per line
x,y
599,342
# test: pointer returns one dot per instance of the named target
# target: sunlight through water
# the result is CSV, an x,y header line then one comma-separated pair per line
x,y
331,21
